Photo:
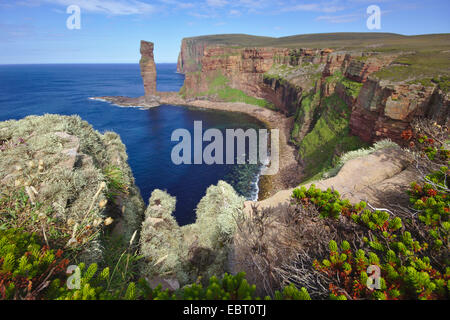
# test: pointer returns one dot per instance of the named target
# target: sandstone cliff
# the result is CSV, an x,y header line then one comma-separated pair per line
x,y
332,93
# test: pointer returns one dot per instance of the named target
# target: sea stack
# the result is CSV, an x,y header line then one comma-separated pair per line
x,y
148,67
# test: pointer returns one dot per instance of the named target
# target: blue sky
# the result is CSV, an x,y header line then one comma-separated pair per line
x,y
35,31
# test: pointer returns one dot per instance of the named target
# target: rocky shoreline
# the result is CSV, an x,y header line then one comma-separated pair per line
x,y
290,172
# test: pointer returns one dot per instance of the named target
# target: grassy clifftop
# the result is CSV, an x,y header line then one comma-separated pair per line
x,y
344,40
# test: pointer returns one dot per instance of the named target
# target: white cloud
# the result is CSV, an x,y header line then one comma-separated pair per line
x,y
217,3
316,7
340,18
235,13
111,7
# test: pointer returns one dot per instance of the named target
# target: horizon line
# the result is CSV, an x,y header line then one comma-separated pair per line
x,y
61,63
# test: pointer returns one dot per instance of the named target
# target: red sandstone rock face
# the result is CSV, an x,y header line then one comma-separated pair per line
x,y
243,67
148,68
191,55
382,110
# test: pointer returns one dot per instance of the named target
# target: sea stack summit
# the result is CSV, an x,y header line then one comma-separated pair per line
x,y
148,67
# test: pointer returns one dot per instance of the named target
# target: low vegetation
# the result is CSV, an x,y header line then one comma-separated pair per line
x,y
31,271
344,251
319,246
421,67
219,88
329,134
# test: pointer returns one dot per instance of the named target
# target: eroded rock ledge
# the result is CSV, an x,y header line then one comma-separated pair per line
x,y
378,178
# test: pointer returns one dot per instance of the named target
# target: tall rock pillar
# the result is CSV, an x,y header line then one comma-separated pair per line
x,y
148,67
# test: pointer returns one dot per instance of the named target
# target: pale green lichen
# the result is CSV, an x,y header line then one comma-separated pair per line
x,y
63,158
196,250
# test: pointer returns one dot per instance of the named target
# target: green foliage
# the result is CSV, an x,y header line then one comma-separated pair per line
x,y
305,113
29,271
219,87
418,67
432,202
229,287
352,88
405,263
122,259
115,182
430,148
25,266
327,202
330,132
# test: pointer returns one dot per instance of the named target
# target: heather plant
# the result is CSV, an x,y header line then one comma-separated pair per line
x,y
409,268
31,271
432,203
26,266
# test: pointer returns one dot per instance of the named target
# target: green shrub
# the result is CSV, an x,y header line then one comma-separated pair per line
x,y
25,265
115,182
407,269
31,271
432,202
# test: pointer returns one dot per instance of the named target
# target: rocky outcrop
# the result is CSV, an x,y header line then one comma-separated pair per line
x,y
64,165
191,53
146,102
285,76
148,67
183,254
384,109
382,176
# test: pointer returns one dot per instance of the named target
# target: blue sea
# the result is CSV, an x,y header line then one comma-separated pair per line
x,y
66,89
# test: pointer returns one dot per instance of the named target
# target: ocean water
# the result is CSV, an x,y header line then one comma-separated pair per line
x,y
66,89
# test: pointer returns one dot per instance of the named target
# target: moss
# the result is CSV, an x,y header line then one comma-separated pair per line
x,y
329,134
219,87
305,113
442,82
352,88
417,67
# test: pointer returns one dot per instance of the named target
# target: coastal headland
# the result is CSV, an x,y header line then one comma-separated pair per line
x,y
327,93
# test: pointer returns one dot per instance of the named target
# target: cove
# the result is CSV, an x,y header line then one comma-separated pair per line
x,y
65,89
